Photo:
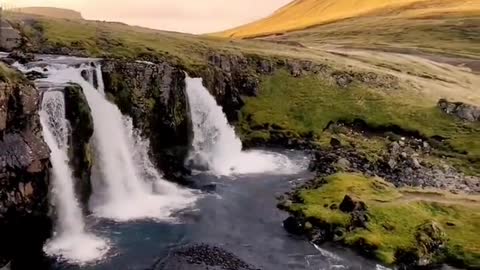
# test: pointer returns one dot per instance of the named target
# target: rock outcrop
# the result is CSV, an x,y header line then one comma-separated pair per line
x,y
430,241
10,38
460,110
80,150
24,173
154,96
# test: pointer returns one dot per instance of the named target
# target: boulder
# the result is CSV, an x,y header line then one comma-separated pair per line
x,y
343,164
34,75
431,240
21,57
294,225
335,143
460,110
349,205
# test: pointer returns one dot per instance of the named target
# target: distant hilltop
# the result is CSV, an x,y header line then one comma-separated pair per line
x,y
301,14
51,12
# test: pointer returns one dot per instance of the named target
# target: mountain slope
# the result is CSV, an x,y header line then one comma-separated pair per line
x,y
301,14
51,12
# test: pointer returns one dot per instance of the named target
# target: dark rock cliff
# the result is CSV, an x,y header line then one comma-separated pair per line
x,y
154,96
24,176
232,77
80,151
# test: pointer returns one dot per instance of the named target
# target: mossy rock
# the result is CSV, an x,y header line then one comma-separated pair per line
x,y
404,227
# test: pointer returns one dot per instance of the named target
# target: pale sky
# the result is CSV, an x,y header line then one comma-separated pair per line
x,y
193,16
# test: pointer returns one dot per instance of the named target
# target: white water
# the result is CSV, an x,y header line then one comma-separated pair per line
x,y
128,186
216,146
70,241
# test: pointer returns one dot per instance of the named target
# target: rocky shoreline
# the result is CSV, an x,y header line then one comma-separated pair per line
x,y
405,161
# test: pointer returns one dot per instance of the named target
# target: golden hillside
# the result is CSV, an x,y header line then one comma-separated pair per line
x,y
301,14
52,12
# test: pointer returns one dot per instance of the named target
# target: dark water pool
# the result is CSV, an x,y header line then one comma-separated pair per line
x,y
239,216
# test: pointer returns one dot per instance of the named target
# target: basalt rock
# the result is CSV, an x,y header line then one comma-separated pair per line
x,y
349,205
24,174
78,113
154,96
21,57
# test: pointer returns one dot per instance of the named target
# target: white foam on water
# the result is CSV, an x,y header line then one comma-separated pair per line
x,y
216,146
70,242
129,186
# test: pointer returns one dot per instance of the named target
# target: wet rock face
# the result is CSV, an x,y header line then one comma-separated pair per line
x,y
81,153
24,165
154,96
203,257
461,110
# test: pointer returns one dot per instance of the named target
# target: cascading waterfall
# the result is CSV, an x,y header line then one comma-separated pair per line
x,y
70,240
127,186
215,144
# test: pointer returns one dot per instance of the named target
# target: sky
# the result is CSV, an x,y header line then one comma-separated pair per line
x,y
191,16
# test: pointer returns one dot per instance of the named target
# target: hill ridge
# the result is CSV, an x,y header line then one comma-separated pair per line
x,y
53,12
301,14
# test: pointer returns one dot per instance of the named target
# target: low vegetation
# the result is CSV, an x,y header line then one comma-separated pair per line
x,y
395,217
310,103
302,14
9,75
447,35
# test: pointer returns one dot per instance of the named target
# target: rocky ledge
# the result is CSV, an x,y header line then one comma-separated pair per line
x,y
390,196
154,96
406,228
24,177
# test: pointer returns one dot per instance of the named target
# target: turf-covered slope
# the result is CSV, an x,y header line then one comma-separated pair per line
x,y
301,14
52,12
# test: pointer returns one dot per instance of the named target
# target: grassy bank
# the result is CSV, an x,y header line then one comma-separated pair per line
x,y
310,103
395,217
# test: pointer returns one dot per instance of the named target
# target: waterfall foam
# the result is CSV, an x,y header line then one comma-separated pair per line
x,y
128,186
216,146
70,242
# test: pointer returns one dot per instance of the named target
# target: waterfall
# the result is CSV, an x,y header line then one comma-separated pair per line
x,y
70,240
126,186
215,144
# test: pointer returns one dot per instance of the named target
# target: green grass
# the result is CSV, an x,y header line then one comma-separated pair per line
x,y
311,102
117,40
443,34
9,75
395,217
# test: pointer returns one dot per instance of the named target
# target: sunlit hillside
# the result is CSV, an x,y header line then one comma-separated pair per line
x,y
301,14
51,12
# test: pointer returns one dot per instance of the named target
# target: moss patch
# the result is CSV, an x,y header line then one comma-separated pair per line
x,y
9,75
310,103
395,216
